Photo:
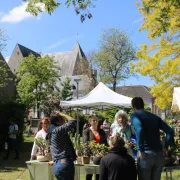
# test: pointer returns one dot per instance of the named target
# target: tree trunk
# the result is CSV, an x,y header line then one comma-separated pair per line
x,y
114,86
38,111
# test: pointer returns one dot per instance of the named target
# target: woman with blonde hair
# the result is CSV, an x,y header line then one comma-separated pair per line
x,y
44,124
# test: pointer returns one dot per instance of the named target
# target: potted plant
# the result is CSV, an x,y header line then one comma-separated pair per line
x,y
85,152
98,151
44,149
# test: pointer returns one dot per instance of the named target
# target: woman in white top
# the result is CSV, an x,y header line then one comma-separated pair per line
x,y
40,134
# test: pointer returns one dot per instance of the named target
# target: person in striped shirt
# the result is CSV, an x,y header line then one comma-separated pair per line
x,y
63,153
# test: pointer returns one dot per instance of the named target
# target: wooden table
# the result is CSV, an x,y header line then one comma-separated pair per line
x,y
44,171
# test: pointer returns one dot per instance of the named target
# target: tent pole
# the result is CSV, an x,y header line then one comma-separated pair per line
x,y
77,118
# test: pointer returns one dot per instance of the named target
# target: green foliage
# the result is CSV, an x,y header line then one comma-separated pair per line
x,y
98,149
38,6
83,118
4,74
66,92
3,39
37,79
43,145
50,103
113,58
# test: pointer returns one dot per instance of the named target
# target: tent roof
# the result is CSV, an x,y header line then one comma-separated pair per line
x,y
100,96
176,100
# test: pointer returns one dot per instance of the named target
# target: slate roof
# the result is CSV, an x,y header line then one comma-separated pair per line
x,y
17,55
1,57
78,48
132,91
26,51
67,60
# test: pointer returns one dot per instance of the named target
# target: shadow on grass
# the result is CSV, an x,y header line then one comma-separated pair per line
x,y
17,165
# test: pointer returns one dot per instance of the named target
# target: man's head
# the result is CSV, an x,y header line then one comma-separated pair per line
x,y
117,142
57,120
11,120
137,103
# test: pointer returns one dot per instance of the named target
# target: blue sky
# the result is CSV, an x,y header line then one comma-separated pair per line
x,y
58,32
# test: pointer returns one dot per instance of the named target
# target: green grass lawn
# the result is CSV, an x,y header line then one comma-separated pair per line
x,y
16,169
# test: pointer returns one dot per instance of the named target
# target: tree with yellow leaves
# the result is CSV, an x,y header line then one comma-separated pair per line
x,y
161,59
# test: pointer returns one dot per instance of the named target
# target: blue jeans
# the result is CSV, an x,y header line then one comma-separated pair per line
x,y
150,167
64,169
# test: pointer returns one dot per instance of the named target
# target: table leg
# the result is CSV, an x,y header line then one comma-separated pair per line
x,y
95,173
171,174
166,174
79,173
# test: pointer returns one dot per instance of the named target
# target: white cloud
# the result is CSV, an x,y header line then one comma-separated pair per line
x,y
17,14
137,21
63,41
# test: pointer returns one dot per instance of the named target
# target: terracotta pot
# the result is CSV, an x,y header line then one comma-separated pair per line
x,y
85,159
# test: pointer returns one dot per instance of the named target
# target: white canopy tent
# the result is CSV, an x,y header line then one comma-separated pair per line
x,y
176,100
100,96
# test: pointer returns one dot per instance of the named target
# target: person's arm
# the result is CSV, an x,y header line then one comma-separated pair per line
x,y
86,135
34,148
65,116
69,126
103,171
139,132
169,133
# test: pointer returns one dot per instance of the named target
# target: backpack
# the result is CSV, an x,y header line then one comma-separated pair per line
x,y
18,130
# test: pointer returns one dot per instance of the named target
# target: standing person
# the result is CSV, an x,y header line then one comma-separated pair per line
x,y
44,124
151,153
12,139
106,127
63,153
96,134
118,164
125,130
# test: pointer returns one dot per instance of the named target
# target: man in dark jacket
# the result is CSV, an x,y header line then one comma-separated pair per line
x,y
118,164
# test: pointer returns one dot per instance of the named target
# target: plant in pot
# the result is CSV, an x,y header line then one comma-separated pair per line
x,y
44,149
98,151
86,153
76,141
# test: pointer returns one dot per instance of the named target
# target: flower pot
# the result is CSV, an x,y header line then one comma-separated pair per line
x,y
45,158
85,159
96,160
169,161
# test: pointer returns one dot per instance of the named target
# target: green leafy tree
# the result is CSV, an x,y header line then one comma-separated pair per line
x,y
4,74
66,92
81,7
37,79
50,103
4,69
3,39
113,57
